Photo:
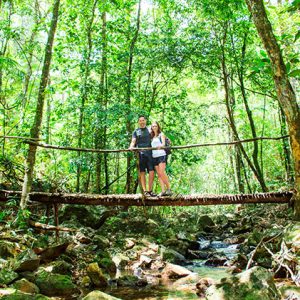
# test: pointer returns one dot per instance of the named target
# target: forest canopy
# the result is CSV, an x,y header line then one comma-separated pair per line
x,y
199,68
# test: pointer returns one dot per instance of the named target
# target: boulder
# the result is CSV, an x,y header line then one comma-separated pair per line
x,y
216,261
202,285
129,243
172,271
108,265
82,238
179,246
120,261
26,261
145,261
25,286
101,242
7,249
59,267
131,281
191,279
51,253
172,256
97,295
205,223
17,295
55,284
255,283
96,275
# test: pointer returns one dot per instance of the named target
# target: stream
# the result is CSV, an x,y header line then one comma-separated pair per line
x,y
158,290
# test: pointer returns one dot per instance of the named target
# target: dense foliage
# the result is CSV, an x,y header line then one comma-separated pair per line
x,y
169,61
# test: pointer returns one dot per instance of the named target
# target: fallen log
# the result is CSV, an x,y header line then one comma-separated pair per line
x,y
5,195
175,200
49,227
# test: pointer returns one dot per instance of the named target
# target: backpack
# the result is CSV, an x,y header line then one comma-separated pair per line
x,y
168,144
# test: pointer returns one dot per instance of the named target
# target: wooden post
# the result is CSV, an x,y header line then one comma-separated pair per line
x,y
47,213
55,206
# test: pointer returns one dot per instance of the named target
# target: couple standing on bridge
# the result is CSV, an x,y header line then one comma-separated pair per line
x,y
144,137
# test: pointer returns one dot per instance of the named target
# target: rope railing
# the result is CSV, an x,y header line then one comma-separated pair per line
x,y
47,146
18,137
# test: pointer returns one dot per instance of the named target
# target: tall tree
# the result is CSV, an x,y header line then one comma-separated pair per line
x,y
285,93
36,127
129,180
85,82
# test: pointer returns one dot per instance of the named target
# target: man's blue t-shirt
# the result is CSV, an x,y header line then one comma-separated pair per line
x,y
143,138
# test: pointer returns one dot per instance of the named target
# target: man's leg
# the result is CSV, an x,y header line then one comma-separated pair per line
x,y
143,180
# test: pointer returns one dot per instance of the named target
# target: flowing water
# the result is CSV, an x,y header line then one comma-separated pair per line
x,y
166,291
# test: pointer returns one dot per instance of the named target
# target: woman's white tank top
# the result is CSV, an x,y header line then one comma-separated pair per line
x,y
156,142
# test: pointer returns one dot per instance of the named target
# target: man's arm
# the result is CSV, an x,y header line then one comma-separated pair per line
x,y
133,142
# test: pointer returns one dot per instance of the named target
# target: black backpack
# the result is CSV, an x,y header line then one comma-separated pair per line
x,y
168,144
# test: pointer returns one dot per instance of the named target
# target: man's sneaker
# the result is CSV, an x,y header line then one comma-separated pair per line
x,y
152,194
149,194
168,193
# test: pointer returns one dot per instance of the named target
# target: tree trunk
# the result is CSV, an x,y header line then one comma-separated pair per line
x,y
103,85
84,93
284,90
286,148
36,127
230,113
37,19
129,179
249,112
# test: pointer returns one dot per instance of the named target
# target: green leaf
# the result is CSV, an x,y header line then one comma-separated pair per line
x,y
297,36
295,73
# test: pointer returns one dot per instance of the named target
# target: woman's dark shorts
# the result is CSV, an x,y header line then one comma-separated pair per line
x,y
160,159
146,161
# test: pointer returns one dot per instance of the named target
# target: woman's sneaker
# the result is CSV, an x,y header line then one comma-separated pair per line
x,y
162,194
168,192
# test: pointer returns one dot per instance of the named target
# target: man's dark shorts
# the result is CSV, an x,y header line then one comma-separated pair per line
x,y
160,159
146,161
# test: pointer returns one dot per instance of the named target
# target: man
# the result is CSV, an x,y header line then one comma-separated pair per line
x,y
141,138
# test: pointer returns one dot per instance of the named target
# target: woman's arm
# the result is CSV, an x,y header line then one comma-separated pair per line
x,y
163,139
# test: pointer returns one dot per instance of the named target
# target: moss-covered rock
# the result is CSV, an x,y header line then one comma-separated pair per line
x,y
26,261
205,222
96,275
17,295
130,281
101,242
25,286
55,284
253,284
60,267
108,265
7,276
172,256
7,249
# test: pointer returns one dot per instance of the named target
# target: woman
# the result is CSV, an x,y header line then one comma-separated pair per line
x,y
158,140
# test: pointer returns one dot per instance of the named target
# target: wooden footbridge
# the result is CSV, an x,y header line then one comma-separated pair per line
x,y
139,200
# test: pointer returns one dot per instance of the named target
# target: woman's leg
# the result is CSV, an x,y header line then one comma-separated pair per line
x,y
163,174
161,182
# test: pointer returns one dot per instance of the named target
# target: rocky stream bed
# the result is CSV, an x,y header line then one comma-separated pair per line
x,y
249,254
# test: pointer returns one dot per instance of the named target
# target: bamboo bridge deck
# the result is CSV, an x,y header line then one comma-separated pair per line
x,y
139,200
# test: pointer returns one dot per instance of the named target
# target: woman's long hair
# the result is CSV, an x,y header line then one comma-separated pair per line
x,y
158,130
